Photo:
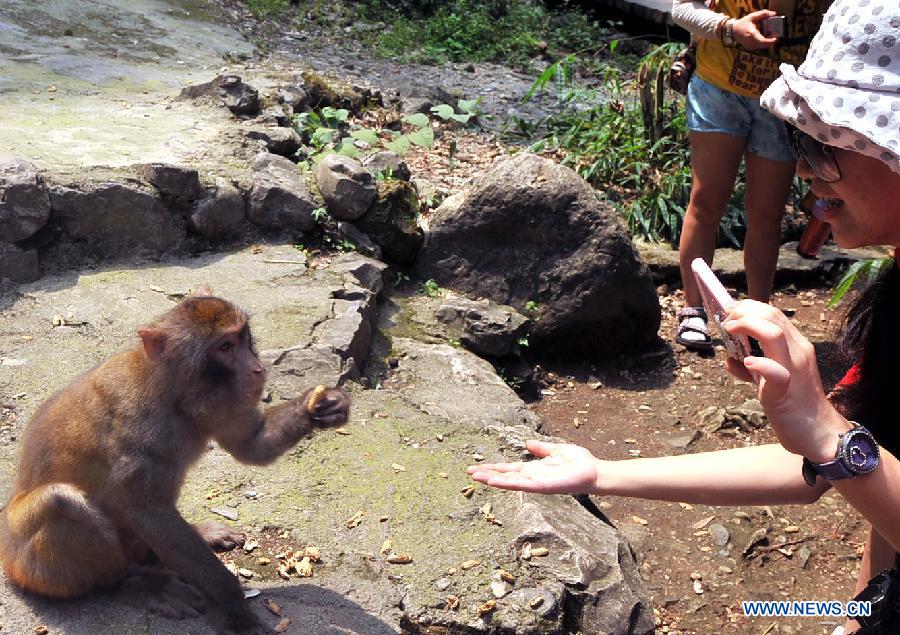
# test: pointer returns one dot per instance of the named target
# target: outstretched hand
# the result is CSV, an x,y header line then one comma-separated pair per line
x,y
562,469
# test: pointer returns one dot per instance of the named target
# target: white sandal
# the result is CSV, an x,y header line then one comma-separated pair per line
x,y
692,330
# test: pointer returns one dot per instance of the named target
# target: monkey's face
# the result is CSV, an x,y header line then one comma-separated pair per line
x,y
233,367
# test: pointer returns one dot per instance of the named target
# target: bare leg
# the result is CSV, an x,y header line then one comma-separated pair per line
x,y
768,186
715,158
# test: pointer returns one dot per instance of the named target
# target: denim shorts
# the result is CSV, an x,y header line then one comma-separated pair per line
x,y
712,109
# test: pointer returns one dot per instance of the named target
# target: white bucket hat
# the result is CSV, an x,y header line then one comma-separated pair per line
x,y
847,91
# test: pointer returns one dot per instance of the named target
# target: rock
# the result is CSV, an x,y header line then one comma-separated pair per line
x,y
24,201
294,97
221,214
173,182
337,94
277,115
348,189
414,105
392,222
282,141
115,219
681,441
388,164
17,264
719,533
604,591
279,196
488,328
234,94
532,230
364,245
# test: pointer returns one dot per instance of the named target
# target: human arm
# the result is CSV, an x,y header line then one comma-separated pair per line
x,y
696,18
758,475
801,416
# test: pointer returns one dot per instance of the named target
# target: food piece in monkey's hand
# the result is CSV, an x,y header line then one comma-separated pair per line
x,y
316,396
327,407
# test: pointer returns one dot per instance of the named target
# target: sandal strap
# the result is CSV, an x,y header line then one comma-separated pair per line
x,y
692,312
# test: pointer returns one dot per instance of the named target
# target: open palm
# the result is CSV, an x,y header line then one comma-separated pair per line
x,y
562,469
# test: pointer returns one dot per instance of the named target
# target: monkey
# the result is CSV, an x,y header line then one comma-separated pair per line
x,y
103,461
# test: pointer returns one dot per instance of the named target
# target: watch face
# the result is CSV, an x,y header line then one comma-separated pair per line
x,y
860,452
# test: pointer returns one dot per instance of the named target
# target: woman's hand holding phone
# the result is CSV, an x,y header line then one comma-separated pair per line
x,y
789,386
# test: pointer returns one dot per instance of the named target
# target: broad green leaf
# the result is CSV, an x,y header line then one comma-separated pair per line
x,y
366,134
444,111
400,145
468,105
423,137
462,118
419,119
347,148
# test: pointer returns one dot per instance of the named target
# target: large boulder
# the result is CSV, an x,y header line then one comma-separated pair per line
x,y
18,265
239,97
221,214
392,222
487,328
24,201
116,219
532,231
173,182
348,189
279,196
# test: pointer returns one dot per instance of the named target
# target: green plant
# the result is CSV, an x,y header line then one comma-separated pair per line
x,y
867,269
647,176
400,278
477,30
522,341
532,307
468,108
431,289
330,130
319,214
266,8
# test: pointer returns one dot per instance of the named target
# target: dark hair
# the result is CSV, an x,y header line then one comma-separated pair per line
x,y
869,339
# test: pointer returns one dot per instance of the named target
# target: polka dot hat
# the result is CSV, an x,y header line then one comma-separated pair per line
x,y
847,91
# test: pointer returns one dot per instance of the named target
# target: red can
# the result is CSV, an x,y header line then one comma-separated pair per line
x,y
815,234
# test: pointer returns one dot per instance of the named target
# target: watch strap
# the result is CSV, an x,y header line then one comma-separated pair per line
x,y
831,471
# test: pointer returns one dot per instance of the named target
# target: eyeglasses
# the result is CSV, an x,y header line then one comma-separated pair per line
x,y
818,156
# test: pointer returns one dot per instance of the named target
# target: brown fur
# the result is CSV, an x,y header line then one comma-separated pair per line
x,y
104,459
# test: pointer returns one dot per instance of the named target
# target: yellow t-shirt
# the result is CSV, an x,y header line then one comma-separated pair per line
x,y
749,73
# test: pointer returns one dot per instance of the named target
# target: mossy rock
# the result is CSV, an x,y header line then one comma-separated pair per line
x,y
391,223
332,92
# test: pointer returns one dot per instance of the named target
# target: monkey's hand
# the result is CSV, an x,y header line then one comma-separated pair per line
x,y
327,407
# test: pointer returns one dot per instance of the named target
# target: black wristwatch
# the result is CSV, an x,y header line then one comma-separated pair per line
x,y
857,454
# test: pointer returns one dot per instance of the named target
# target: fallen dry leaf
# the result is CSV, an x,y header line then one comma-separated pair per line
x,y
469,564
487,607
304,568
399,559
282,626
355,520
273,606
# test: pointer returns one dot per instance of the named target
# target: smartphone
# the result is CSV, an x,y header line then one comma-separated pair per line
x,y
776,26
717,302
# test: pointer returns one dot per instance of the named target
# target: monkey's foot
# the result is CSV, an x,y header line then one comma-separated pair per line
x,y
161,591
220,537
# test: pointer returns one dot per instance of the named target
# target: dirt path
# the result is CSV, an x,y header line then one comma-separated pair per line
x,y
649,405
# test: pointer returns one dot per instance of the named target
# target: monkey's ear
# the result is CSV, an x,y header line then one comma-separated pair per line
x,y
154,342
202,292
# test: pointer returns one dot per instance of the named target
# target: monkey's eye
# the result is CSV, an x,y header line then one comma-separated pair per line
x,y
226,346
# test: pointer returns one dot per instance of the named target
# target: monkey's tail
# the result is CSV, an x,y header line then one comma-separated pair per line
x,y
55,542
